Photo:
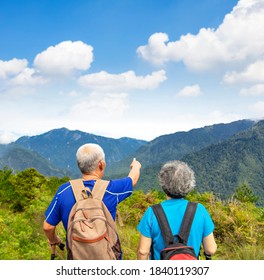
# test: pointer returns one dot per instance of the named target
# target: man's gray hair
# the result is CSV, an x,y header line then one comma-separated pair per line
x,y
177,179
88,157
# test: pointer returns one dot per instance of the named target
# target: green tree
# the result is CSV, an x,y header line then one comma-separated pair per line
x,y
5,175
26,187
244,193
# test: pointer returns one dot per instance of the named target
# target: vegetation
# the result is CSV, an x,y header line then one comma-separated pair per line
x,y
239,160
25,195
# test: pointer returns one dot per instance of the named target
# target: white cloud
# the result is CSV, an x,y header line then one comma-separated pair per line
x,y
254,73
100,106
103,81
12,67
239,38
190,91
64,58
256,90
156,51
28,77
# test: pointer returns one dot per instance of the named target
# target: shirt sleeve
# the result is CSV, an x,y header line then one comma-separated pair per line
x,y
208,222
120,188
52,214
145,225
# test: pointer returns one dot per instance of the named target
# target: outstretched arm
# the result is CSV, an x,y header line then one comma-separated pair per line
x,y
135,171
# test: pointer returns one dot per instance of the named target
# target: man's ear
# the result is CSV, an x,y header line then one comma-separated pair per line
x,y
102,165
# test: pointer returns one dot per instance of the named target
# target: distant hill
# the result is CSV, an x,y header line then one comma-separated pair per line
x,y
222,167
59,147
18,158
176,145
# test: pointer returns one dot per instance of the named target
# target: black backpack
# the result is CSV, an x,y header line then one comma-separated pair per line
x,y
176,246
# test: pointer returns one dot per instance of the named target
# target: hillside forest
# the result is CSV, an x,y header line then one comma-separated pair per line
x,y
25,195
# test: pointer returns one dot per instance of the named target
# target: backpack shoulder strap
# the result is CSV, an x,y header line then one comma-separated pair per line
x,y
78,189
163,224
187,222
99,189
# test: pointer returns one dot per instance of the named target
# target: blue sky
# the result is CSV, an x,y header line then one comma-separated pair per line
x,y
137,68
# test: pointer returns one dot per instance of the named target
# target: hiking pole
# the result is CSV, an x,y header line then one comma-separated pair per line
x,y
53,249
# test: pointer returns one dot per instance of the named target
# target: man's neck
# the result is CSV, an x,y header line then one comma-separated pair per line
x,y
88,177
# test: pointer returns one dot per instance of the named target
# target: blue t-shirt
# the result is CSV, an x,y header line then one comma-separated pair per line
x,y
63,201
202,225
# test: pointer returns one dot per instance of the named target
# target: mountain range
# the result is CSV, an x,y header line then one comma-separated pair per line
x,y
176,145
54,152
222,155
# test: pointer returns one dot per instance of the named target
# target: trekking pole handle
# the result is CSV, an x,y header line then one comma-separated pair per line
x,y
207,257
53,249
61,246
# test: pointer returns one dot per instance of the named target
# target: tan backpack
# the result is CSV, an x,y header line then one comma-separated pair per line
x,y
91,232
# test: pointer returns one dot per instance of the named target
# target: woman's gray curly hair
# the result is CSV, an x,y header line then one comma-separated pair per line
x,y
177,179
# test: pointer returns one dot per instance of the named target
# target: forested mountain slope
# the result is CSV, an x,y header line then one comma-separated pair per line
x,y
222,167
176,145
18,158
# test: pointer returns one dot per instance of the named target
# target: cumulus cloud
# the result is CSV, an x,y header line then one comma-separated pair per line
x,y
16,72
28,77
103,81
12,67
256,90
240,37
190,91
64,58
254,73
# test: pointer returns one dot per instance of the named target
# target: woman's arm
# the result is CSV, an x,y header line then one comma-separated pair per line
x,y
144,248
209,244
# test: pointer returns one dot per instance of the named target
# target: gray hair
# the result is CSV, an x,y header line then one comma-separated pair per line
x,y
88,156
176,179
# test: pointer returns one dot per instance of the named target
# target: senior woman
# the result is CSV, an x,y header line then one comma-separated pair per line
x,y
177,179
